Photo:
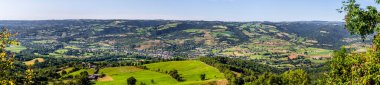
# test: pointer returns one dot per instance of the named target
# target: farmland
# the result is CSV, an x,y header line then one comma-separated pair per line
x,y
175,52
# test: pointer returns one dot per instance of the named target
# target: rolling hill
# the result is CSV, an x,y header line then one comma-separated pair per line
x,y
190,70
266,42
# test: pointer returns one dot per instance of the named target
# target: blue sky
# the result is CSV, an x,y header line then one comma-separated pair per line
x,y
222,10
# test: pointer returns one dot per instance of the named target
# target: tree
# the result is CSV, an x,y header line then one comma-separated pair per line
x,y
267,78
29,76
7,76
358,68
176,75
131,81
63,72
102,75
152,81
142,83
292,77
295,77
83,79
203,76
359,20
36,61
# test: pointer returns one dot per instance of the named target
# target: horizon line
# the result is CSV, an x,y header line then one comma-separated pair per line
x,y
171,20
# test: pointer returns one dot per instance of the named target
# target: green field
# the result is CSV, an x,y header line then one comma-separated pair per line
x,y
69,69
72,47
315,51
194,30
43,41
90,71
190,70
119,76
258,57
15,48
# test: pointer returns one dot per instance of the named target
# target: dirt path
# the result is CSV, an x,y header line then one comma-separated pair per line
x,y
106,78
222,82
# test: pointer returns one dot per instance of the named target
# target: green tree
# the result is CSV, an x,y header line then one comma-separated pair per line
x,y
358,68
7,76
83,79
176,75
152,81
295,77
361,21
63,72
267,78
292,77
29,76
131,81
203,76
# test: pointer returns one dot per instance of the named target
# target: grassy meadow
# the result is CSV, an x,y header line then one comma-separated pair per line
x,y
190,70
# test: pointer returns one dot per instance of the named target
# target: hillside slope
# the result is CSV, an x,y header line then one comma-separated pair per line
x,y
190,70
168,38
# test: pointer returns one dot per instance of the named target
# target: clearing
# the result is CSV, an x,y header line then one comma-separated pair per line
x,y
31,62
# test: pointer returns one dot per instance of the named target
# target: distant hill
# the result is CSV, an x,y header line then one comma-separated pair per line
x,y
328,34
168,38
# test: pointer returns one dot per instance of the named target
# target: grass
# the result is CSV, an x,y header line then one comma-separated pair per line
x,y
167,26
31,62
43,41
61,51
15,48
258,57
55,55
76,42
58,53
318,61
225,33
69,69
119,76
71,47
190,70
316,51
90,71
194,30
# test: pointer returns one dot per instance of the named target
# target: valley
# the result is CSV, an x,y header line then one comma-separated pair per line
x,y
262,41
174,52
189,42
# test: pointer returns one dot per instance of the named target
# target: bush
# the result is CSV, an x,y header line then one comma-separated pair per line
x,y
131,81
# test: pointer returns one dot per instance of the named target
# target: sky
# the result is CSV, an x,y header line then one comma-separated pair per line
x,y
209,10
